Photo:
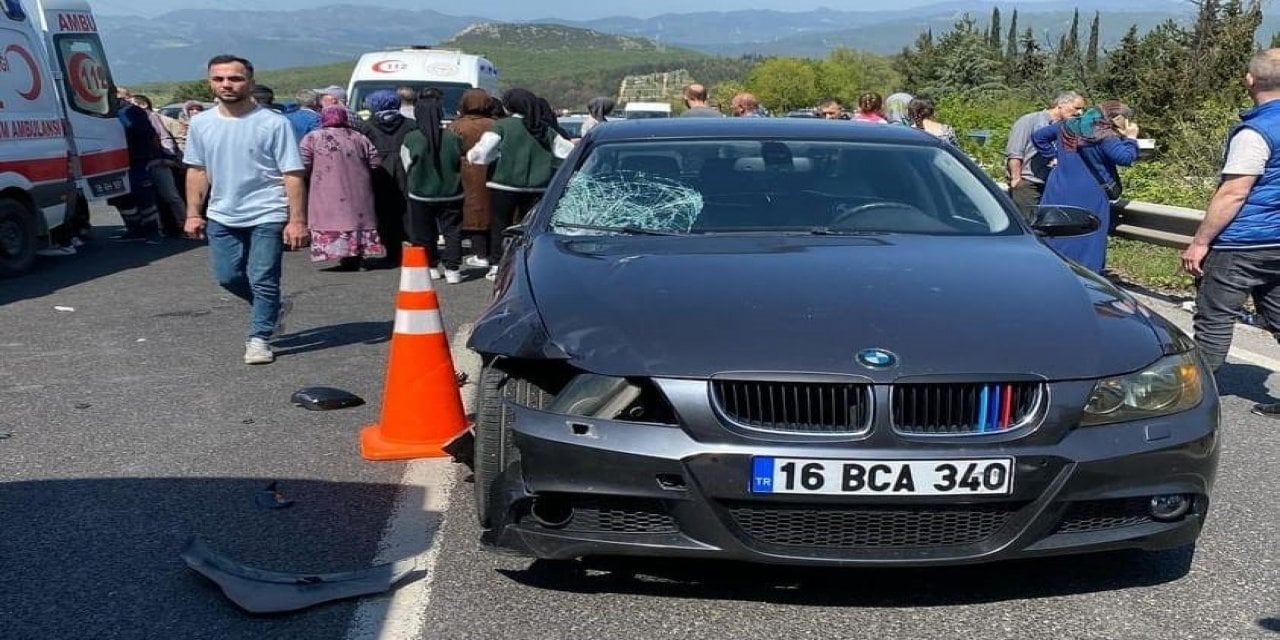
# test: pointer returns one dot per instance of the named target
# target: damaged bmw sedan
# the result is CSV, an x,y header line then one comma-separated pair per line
x,y
812,342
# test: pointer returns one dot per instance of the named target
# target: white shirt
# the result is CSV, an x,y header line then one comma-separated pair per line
x,y
1247,154
486,150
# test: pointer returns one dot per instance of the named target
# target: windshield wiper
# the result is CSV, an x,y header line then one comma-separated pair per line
x,y
828,231
630,230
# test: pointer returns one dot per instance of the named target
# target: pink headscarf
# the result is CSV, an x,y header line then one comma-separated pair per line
x,y
334,116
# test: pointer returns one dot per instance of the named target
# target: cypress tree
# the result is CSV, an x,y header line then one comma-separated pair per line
x,y
994,33
1011,49
1091,55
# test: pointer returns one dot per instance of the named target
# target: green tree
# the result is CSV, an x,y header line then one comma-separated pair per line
x,y
994,33
783,84
1091,54
966,63
193,90
1011,48
847,73
1118,77
1032,66
1275,41
1069,45
919,64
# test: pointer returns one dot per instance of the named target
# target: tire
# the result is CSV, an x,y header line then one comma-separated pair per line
x,y
19,236
495,449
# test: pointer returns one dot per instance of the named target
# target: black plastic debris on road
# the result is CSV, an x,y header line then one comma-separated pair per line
x,y
325,399
271,498
263,591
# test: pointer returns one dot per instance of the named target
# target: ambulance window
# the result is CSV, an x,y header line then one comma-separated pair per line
x,y
13,10
85,77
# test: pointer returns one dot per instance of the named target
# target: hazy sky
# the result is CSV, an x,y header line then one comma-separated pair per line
x,y
521,9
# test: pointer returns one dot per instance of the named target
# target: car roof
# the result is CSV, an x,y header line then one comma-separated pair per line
x,y
796,128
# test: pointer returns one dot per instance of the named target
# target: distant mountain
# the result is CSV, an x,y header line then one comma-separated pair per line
x,y
890,37
176,45
737,31
544,38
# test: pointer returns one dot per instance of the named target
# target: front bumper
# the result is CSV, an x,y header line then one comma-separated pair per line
x,y
647,490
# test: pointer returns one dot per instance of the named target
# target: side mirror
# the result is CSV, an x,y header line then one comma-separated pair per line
x,y
1056,221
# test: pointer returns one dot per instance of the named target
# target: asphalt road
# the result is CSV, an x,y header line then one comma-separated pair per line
x,y
129,425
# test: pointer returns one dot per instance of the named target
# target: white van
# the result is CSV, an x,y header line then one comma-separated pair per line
x,y
451,71
641,110
60,141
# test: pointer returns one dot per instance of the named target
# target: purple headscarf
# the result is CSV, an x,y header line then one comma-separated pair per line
x,y
334,116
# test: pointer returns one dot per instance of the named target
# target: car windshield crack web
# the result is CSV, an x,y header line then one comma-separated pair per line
x,y
627,199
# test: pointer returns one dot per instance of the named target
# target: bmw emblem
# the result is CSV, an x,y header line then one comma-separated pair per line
x,y
876,358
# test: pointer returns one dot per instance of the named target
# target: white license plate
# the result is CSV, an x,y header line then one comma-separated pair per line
x,y
972,477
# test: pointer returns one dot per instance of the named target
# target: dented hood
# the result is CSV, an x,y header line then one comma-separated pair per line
x,y
697,306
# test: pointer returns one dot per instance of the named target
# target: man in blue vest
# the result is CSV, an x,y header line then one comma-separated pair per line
x,y
1236,250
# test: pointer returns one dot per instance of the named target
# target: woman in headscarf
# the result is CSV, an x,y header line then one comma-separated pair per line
x,y
896,108
340,209
599,108
432,156
553,121
1088,150
386,128
473,121
524,150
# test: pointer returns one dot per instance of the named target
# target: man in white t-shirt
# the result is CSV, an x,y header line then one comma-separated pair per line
x,y
250,156
1236,249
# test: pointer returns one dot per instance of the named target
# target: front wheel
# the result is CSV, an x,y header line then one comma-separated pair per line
x,y
18,237
495,449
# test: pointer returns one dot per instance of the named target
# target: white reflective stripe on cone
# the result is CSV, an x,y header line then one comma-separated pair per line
x,y
418,323
415,279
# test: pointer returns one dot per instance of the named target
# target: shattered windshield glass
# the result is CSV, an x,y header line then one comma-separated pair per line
x,y
680,186
627,199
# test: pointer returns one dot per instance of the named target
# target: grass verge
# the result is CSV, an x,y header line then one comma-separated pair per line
x,y
1151,266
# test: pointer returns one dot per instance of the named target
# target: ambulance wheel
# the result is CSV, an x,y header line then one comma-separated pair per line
x,y
18,237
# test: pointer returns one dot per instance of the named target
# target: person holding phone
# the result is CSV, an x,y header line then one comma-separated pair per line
x,y
1088,150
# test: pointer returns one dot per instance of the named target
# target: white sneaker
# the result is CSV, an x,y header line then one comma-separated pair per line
x,y
56,251
492,274
452,276
257,351
286,307
435,273
479,263
77,242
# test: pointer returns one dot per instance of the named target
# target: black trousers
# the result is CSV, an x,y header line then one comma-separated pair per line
x,y
479,242
429,220
1230,277
508,207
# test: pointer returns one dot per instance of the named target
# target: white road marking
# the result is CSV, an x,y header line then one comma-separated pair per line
x,y
415,528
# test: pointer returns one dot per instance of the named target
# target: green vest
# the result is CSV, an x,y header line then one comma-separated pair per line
x,y
424,182
524,165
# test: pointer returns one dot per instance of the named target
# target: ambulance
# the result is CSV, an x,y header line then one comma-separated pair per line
x,y
61,144
449,70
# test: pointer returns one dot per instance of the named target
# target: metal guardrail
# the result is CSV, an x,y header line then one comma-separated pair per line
x,y
1155,223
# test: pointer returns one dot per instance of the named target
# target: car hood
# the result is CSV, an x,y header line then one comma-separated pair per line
x,y
698,306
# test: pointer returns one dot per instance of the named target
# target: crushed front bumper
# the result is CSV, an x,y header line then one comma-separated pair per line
x,y
617,488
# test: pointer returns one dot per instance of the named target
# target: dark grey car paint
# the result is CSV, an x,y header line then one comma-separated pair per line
x,y
696,306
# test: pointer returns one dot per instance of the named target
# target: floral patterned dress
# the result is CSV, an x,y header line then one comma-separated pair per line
x,y
340,208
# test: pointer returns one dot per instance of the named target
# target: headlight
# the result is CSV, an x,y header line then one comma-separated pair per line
x,y
592,395
1168,386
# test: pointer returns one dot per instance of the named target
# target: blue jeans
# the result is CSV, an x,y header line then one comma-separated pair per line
x,y
246,262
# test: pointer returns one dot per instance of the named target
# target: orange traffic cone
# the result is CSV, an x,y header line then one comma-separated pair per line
x,y
421,406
